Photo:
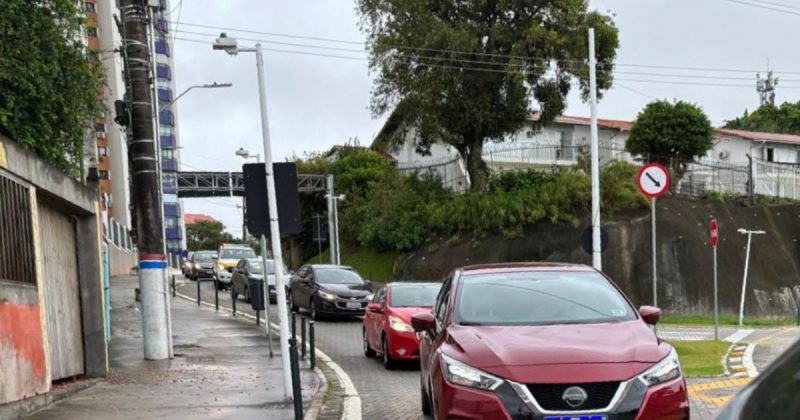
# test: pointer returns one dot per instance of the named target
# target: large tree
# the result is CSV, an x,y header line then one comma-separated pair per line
x,y
673,134
770,118
48,81
204,235
463,72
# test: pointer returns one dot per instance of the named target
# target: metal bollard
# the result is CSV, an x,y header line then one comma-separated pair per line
x,y
216,295
297,394
198,292
294,324
233,301
258,317
173,286
302,337
312,355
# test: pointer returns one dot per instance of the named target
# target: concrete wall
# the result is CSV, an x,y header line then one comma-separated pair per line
x,y
23,367
120,260
685,274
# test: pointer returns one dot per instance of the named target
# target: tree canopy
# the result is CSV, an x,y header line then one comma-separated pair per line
x,y
672,134
463,72
48,82
204,235
770,118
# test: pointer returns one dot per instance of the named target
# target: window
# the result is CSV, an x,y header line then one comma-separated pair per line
x,y
441,300
166,130
168,154
102,174
90,8
171,222
163,83
100,127
102,151
379,297
414,295
92,32
338,276
171,198
770,154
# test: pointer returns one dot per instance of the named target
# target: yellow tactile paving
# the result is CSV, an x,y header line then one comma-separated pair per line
x,y
700,391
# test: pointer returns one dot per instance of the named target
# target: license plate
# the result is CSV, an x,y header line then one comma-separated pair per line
x,y
584,417
353,305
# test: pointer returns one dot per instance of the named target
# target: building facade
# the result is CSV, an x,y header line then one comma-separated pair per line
x,y
168,135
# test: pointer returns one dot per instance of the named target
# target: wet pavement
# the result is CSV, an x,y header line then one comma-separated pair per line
x,y
221,369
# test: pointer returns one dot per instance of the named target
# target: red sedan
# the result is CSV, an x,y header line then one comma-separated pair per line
x,y
387,322
544,341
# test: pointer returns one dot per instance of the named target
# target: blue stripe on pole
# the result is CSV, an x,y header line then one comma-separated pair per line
x,y
152,265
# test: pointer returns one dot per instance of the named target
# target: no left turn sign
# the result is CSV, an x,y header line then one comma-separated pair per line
x,y
653,180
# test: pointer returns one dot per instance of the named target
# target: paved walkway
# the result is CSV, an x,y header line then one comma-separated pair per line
x,y
221,369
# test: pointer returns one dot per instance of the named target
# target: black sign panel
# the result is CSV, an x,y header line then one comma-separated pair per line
x,y
288,198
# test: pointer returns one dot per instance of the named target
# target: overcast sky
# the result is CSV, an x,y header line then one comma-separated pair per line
x,y
317,102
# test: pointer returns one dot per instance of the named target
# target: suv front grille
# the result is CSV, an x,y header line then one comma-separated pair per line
x,y
549,396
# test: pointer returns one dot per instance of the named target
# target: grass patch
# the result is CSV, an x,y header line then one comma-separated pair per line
x,y
701,358
371,264
724,320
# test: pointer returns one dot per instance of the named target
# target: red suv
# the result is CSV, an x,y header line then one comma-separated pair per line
x,y
387,323
544,341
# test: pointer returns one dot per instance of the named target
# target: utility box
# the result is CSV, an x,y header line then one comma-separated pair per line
x,y
255,287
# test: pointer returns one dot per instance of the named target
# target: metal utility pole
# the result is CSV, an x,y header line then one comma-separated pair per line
x,y
144,171
597,261
331,224
749,234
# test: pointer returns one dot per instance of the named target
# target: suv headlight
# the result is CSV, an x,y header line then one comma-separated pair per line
x,y
666,370
458,373
398,324
327,296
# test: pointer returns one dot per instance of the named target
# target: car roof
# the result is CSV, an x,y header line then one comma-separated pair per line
x,y
524,267
330,266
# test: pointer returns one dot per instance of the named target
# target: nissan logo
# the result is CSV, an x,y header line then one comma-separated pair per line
x,y
574,396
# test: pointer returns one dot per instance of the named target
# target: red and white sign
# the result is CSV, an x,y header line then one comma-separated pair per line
x,y
653,180
714,228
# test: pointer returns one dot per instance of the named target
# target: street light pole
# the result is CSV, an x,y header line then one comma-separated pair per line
x,y
203,86
749,234
245,154
230,46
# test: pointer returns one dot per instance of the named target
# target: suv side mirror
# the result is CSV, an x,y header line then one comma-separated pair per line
x,y
650,314
374,308
423,322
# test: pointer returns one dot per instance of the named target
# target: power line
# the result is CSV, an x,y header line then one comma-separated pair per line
x,y
495,70
638,92
178,20
474,53
763,6
785,6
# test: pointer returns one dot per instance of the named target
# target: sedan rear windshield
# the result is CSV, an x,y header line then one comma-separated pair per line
x,y
540,298
417,295
255,267
338,276
236,253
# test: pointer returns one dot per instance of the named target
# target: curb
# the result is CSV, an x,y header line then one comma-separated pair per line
x,y
29,406
351,401
735,359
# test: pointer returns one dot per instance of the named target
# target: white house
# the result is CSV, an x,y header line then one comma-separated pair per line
x,y
734,146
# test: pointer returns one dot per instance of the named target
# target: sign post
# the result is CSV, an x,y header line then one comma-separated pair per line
x,y
713,227
653,182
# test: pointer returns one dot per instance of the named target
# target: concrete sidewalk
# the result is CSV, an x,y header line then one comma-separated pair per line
x,y
221,369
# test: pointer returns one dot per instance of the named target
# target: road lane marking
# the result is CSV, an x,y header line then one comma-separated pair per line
x,y
352,401
739,335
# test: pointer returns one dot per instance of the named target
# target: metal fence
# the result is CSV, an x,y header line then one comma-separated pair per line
x,y
702,178
451,172
773,179
17,255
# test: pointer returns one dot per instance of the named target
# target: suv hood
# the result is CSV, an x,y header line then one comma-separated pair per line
x,y
621,349
348,290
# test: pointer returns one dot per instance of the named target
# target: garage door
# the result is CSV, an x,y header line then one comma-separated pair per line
x,y
62,292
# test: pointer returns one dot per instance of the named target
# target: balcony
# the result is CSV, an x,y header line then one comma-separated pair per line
x,y
162,47
161,25
163,71
168,142
166,118
169,189
164,95
173,233
172,210
169,165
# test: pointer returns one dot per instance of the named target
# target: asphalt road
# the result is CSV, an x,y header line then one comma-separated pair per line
x,y
384,394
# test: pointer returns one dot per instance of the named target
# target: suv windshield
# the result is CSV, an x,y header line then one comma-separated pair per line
x,y
338,276
540,298
414,295
236,253
203,256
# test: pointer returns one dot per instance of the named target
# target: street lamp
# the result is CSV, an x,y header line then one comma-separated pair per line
x,y
230,46
749,234
214,85
245,154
